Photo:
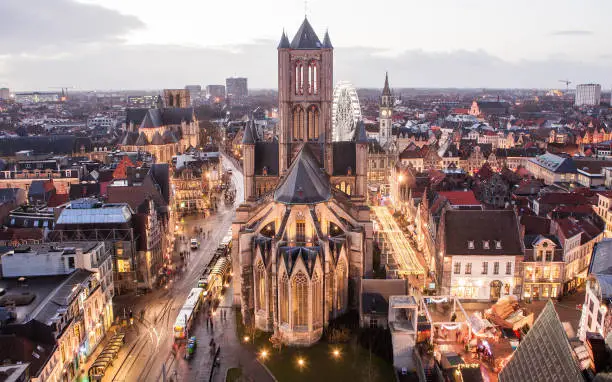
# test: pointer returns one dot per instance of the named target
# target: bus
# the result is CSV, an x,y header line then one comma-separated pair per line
x,y
187,314
213,281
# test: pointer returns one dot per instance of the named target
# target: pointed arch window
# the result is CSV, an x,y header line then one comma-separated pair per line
x,y
317,300
341,288
299,301
260,286
298,124
284,299
310,78
315,77
313,123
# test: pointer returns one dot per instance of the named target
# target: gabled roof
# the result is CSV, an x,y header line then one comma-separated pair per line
x,y
305,182
142,140
544,354
157,139
305,38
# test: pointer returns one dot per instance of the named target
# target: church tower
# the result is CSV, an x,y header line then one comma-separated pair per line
x,y
386,114
305,91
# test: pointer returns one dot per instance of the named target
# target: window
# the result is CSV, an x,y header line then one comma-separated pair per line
x,y
457,268
284,300
498,244
317,301
470,244
549,256
299,301
599,318
373,323
468,268
496,268
485,267
485,244
300,231
36,223
509,267
341,278
260,282
71,262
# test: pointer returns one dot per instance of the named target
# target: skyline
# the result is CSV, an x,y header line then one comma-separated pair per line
x,y
112,44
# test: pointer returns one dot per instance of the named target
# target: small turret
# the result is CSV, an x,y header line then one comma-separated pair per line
x,y
284,42
327,41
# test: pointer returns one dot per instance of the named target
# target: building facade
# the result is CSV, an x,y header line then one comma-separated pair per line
x,y
588,95
304,243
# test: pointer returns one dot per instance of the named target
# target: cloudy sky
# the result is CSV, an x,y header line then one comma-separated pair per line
x,y
149,44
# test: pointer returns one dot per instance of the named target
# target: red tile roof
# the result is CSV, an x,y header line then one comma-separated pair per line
x,y
460,198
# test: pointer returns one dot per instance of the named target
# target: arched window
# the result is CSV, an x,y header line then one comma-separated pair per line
x,y
297,77
298,124
315,85
313,123
284,300
343,187
341,281
317,301
177,101
348,189
299,301
170,100
260,287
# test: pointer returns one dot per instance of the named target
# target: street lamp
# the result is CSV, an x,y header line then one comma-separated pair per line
x,y
246,339
301,362
336,353
263,354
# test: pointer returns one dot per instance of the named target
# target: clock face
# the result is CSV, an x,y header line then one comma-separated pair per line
x,y
384,113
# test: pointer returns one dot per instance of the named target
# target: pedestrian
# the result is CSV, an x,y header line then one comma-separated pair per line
x,y
211,325
207,323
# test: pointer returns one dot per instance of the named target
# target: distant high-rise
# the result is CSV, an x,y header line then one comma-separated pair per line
x,y
236,87
216,93
588,95
195,91
5,93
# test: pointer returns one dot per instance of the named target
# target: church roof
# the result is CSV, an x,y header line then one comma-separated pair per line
x,y
142,140
327,41
544,354
306,38
290,255
169,137
250,136
284,42
344,156
305,182
266,156
361,136
157,139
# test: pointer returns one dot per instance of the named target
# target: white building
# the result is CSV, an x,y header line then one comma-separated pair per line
x,y
479,254
588,95
594,317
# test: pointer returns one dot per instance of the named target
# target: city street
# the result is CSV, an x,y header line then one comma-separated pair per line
x,y
149,341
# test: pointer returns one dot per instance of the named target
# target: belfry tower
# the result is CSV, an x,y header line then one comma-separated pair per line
x,y
305,92
386,114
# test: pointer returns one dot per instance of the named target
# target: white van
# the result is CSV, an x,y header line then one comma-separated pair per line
x,y
194,244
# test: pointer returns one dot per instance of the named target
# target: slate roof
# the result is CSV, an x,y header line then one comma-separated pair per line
x,y
555,163
266,155
305,183
160,172
305,38
284,42
544,354
463,226
344,156
135,116
386,89
250,135
601,260
142,140
157,139
327,41
375,294
58,144
151,118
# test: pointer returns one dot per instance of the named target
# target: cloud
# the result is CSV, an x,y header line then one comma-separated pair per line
x,y
572,33
119,66
50,25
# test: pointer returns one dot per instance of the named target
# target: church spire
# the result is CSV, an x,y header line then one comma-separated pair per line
x,y
327,41
386,89
284,41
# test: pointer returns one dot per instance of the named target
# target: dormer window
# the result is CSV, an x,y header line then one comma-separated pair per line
x,y
485,244
498,244
470,244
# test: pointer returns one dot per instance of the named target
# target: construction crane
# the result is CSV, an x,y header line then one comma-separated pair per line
x,y
567,84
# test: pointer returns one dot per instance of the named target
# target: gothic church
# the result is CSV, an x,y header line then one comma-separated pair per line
x,y
303,236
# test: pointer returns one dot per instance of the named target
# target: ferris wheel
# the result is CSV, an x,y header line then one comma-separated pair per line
x,y
346,111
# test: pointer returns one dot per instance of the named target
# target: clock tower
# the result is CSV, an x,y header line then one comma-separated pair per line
x,y
386,113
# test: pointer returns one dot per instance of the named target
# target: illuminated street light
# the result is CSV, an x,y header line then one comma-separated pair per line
x,y
264,354
246,339
301,362
336,353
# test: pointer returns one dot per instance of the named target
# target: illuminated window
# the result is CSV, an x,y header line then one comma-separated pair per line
x,y
300,231
341,279
468,268
284,300
299,301
260,282
317,300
